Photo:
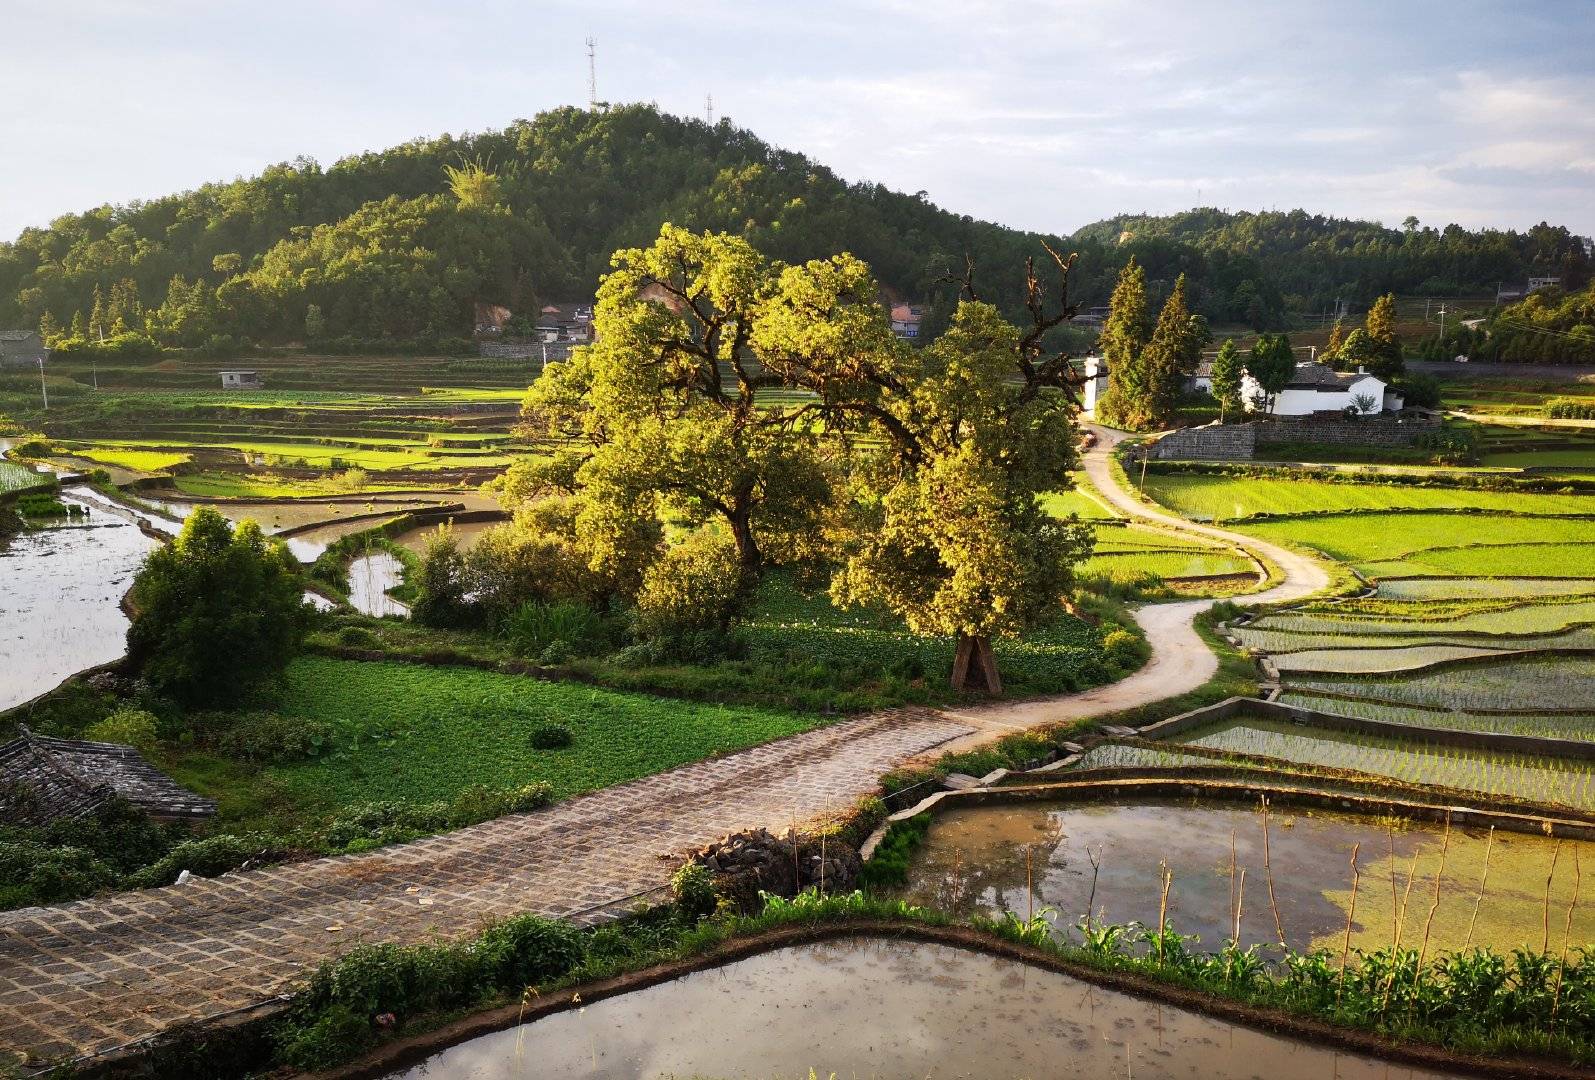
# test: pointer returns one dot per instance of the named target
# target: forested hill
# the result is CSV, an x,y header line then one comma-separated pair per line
x,y
400,244
1308,261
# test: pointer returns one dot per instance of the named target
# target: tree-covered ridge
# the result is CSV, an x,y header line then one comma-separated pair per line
x,y
1305,262
402,243
384,245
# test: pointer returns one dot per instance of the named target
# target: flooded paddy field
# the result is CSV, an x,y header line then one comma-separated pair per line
x,y
973,861
60,593
874,1008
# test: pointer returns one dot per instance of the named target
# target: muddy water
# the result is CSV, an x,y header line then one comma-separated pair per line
x,y
872,1008
274,517
973,861
370,578
60,594
466,534
308,545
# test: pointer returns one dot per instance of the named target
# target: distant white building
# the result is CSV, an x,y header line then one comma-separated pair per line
x,y
1096,383
242,380
1318,388
906,319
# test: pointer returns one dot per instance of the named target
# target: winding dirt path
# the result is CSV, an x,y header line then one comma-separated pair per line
x,y
1181,660
90,977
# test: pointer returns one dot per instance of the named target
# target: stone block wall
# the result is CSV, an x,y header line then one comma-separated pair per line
x,y
1371,432
1239,442
1216,442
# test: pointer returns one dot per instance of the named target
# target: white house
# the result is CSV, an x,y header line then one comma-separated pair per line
x,y
1318,388
1096,383
242,380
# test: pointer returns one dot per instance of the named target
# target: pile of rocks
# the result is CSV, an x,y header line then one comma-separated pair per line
x,y
747,863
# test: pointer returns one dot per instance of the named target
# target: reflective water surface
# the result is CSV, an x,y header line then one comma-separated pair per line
x,y
872,1008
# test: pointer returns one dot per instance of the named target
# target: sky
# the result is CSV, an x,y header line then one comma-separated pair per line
x,y
1040,115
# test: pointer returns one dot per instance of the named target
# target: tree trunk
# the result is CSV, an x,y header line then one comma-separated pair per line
x,y
975,666
747,547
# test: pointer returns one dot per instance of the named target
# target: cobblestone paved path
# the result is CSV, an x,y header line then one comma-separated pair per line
x,y
87,977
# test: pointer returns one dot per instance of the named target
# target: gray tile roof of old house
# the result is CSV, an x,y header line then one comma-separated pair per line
x,y
21,347
43,779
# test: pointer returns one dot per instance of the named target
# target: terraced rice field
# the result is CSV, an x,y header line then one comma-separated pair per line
x,y
14,477
1550,780
1215,497
1576,726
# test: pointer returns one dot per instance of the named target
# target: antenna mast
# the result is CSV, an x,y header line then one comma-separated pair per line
x,y
708,108
592,74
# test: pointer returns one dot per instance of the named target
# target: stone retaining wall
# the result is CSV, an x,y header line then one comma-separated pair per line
x,y
1239,442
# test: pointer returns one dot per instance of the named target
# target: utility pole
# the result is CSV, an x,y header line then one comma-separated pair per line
x,y
1442,321
592,74
44,387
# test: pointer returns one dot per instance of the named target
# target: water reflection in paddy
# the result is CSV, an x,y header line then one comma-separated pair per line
x,y
871,1008
60,594
370,578
973,860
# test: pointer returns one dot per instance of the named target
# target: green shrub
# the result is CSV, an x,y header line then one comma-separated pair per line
x,y
52,874
690,595
358,637
335,1036
440,584
268,739
550,737
481,803
527,950
208,857
693,887
128,726
539,629
1571,409
1124,649
889,865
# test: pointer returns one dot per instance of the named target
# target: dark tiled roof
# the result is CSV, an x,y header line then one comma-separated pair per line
x,y
21,344
1314,376
44,779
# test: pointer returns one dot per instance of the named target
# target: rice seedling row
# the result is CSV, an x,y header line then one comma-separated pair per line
x,y
1510,685
1536,778
1560,726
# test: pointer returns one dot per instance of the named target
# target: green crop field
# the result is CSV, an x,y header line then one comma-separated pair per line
x,y
150,461
1579,726
1373,537
1130,565
1537,778
1230,498
1537,557
407,731
14,477
1533,684
1462,588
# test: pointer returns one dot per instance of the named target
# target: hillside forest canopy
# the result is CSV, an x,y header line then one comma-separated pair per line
x,y
401,244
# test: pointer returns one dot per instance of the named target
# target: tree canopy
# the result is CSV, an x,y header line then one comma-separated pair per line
x,y
217,613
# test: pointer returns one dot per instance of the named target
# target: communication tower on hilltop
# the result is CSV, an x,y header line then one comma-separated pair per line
x,y
592,74
708,108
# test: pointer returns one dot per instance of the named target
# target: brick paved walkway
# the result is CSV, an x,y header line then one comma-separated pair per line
x,y
86,977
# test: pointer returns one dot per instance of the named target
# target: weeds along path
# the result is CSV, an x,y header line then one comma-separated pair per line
x,y
1181,660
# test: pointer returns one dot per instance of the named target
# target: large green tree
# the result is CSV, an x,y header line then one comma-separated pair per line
x,y
216,614
666,402
1228,369
946,528
1271,363
1130,399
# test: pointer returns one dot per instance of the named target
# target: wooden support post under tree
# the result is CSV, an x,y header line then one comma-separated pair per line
x,y
975,666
